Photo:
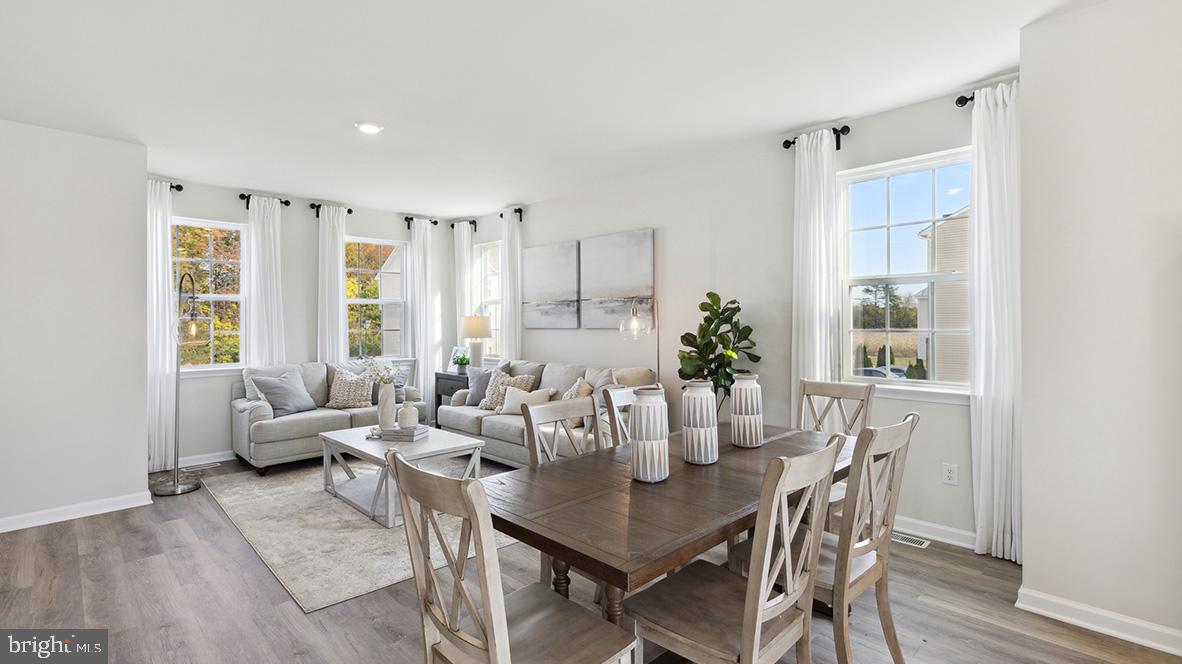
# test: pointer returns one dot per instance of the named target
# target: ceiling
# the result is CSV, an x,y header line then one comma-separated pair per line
x,y
484,103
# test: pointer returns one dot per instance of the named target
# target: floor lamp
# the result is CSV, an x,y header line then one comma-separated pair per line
x,y
176,487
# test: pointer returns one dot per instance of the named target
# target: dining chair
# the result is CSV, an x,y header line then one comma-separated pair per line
x,y
707,613
615,400
858,556
817,402
470,621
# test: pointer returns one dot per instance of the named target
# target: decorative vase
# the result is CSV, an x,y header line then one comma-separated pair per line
x,y
387,406
699,422
746,411
649,435
408,416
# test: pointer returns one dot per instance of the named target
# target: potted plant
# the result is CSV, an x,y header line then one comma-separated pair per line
x,y
721,338
462,362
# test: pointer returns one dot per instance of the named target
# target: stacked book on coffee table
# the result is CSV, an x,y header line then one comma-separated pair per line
x,y
400,435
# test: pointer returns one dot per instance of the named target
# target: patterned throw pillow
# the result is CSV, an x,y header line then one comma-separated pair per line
x,y
494,399
581,388
350,391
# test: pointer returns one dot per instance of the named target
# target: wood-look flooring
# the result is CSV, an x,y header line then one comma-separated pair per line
x,y
176,582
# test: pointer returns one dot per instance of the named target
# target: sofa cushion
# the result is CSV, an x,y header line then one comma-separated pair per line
x,y
597,376
515,399
286,394
524,367
462,418
404,371
362,417
509,428
501,381
634,376
349,390
559,376
478,378
315,375
299,425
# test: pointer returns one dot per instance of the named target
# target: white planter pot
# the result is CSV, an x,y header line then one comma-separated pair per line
x,y
746,411
387,406
699,422
648,428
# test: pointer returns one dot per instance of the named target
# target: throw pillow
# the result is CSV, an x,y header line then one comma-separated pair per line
x,y
634,377
477,385
348,390
501,381
581,388
286,394
515,398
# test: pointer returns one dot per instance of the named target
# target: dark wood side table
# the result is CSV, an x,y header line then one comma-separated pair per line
x,y
447,384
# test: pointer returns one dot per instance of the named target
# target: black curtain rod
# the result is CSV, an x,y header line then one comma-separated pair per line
x,y
434,222
317,206
518,212
247,197
470,221
963,101
176,187
838,132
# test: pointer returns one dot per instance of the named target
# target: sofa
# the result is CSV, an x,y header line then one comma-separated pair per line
x,y
263,440
504,434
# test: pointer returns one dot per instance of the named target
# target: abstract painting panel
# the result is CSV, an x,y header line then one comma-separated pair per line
x,y
550,286
616,271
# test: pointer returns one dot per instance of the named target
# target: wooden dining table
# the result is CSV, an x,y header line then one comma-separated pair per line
x,y
588,512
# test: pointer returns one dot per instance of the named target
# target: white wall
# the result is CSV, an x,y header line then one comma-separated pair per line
x,y
725,224
73,419
1102,269
205,397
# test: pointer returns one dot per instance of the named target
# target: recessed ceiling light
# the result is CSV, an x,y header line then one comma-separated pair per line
x,y
368,127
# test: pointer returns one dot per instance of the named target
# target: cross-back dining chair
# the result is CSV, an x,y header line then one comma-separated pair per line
x,y
469,620
615,400
707,613
820,404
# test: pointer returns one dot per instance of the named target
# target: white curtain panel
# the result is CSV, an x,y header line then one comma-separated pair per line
x,y
462,237
161,329
264,289
816,265
421,310
332,332
510,285
996,399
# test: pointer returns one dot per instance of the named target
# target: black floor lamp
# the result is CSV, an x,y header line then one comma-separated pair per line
x,y
189,338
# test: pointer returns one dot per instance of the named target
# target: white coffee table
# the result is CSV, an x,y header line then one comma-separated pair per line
x,y
375,495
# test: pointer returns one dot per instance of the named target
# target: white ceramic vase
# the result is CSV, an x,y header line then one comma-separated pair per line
x,y
648,429
699,422
408,416
387,406
746,411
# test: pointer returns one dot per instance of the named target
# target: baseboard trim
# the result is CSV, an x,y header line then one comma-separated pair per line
x,y
75,511
211,457
1134,630
965,539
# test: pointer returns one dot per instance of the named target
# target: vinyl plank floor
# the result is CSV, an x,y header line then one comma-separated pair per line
x,y
175,581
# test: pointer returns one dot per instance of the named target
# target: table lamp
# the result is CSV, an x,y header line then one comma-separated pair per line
x,y
476,329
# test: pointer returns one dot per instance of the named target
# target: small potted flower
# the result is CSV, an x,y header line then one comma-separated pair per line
x,y
462,362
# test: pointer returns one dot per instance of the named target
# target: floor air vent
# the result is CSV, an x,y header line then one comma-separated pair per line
x,y
910,540
204,466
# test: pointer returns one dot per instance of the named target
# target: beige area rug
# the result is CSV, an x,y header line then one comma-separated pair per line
x,y
322,550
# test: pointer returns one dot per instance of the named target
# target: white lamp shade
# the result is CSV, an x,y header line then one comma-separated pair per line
x,y
477,327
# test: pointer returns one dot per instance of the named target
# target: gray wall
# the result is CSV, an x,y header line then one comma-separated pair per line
x,y
72,256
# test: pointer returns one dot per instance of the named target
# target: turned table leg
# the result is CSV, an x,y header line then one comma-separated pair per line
x,y
613,604
561,577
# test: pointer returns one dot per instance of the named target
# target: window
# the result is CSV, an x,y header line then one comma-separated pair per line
x,y
486,278
375,296
212,253
906,278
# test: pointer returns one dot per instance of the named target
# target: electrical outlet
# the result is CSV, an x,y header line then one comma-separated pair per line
x,y
950,474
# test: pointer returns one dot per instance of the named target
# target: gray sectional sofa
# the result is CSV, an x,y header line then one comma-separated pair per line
x,y
504,434
263,440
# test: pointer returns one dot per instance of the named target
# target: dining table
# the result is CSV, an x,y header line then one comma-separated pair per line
x,y
586,511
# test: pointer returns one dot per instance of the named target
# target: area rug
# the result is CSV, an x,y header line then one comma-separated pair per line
x,y
322,550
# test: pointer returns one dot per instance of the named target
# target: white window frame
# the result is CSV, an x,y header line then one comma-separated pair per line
x,y
241,298
481,305
901,387
403,246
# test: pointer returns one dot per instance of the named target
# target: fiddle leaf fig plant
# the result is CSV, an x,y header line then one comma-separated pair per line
x,y
721,339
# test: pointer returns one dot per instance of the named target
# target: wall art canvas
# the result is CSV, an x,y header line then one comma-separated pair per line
x,y
615,271
550,286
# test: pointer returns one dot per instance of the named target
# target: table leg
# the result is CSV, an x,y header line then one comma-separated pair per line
x,y
613,604
327,468
473,469
561,577
341,460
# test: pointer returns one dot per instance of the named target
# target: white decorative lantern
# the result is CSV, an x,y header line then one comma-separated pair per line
x,y
648,433
699,422
746,411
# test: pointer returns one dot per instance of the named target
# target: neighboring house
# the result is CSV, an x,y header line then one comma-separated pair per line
x,y
948,249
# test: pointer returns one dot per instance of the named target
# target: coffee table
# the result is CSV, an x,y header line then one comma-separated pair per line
x,y
375,495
